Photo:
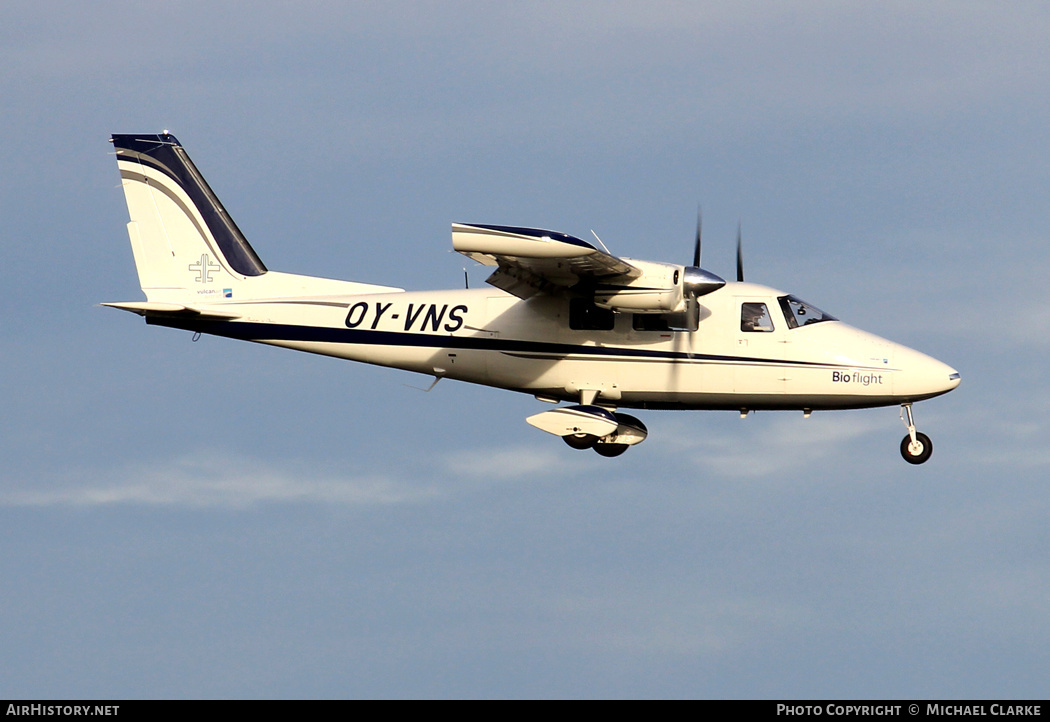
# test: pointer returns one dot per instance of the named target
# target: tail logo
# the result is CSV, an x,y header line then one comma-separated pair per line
x,y
204,268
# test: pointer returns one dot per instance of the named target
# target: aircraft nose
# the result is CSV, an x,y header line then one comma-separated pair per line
x,y
922,376
954,378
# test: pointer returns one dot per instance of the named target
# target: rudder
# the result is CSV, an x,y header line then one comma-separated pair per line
x,y
185,243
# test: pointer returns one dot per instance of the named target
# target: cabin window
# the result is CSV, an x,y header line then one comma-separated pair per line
x,y
585,316
650,322
754,318
667,322
799,313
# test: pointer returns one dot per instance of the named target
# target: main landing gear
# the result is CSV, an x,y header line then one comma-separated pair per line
x,y
916,447
630,431
587,426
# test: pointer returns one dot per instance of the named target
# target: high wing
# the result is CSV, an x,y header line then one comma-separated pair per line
x,y
532,260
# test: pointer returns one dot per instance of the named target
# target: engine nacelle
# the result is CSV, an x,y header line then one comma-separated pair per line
x,y
659,289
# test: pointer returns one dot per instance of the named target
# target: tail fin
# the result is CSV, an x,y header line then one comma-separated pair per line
x,y
185,243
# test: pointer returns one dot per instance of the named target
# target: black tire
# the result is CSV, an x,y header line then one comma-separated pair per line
x,y
925,448
610,450
580,441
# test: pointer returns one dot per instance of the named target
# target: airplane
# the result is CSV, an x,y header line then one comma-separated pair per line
x,y
562,319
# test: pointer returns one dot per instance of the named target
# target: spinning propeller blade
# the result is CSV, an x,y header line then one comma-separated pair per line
x,y
699,227
697,281
739,256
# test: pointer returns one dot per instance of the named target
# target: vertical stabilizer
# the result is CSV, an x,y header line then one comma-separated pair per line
x,y
185,243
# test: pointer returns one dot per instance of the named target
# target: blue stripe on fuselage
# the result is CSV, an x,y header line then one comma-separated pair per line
x,y
265,332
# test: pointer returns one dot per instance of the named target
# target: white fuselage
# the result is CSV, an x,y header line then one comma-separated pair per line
x,y
489,337
562,319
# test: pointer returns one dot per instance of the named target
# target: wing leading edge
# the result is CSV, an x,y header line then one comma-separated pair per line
x,y
532,260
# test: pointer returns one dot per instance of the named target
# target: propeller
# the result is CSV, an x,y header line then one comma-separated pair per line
x,y
739,256
699,231
697,281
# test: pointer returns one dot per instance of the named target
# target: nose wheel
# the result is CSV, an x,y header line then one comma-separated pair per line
x,y
916,447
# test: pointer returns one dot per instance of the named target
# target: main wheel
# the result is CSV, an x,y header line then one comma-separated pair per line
x,y
919,451
580,441
610,450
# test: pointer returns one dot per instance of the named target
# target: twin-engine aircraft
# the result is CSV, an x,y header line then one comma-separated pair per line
x,y
563,320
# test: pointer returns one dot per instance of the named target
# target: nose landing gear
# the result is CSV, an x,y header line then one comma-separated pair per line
x,y
916,447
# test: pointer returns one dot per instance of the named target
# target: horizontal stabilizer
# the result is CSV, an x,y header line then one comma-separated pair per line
x,y
593,420
153,308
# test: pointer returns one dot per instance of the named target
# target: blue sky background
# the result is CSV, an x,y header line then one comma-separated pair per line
x,y
228,520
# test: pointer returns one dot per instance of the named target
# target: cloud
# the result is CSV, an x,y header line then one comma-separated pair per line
x,y
515,462
214,479
767,447
211,479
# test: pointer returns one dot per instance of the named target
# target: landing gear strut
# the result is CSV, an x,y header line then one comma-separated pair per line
x,y
916,447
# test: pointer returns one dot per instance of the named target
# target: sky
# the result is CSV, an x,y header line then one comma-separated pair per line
x,y
226,520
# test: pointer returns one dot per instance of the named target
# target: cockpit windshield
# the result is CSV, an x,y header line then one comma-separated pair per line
x,y
799,313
